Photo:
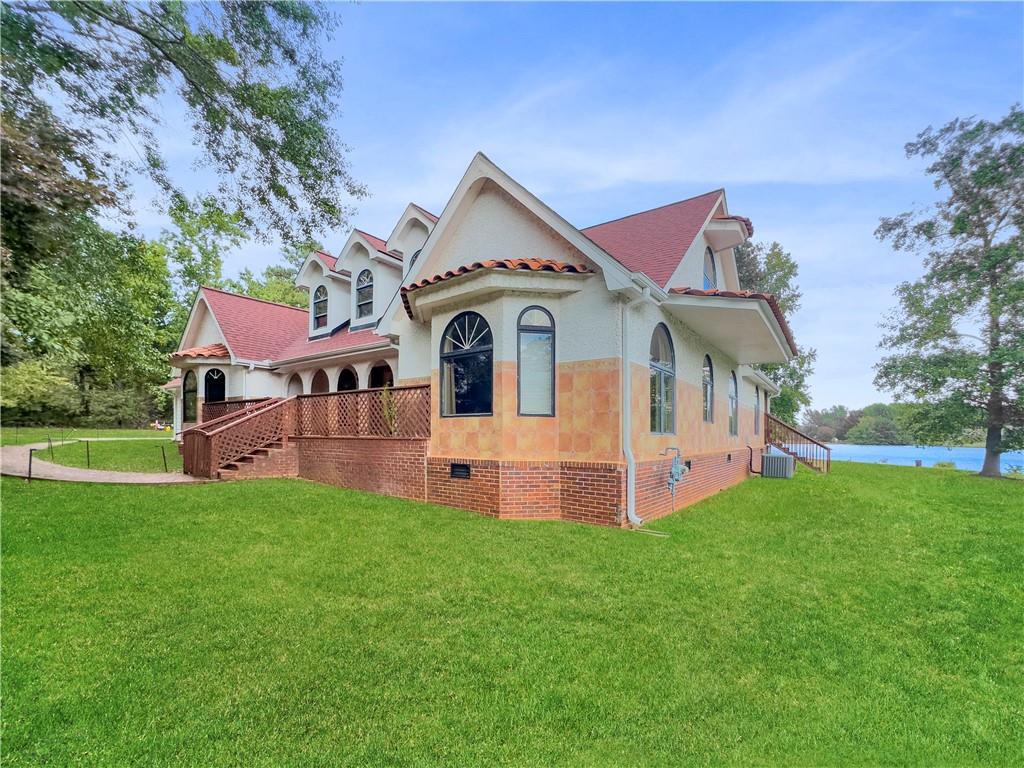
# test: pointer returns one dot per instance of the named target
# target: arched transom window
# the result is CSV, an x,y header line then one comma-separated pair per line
x,y
710,271
320,307
707,389
213,386
734,405
188,394
663,382
364,294
467,365
536,332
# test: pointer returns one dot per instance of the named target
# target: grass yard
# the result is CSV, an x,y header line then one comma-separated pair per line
x,y
870,617
25,435
119,455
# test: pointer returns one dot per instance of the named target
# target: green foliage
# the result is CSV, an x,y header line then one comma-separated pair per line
x,y
944,465
957,337
121,455
404,633
277,283
34,392
258,92
770,269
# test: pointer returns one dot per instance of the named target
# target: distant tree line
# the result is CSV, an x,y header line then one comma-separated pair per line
x,y
879,424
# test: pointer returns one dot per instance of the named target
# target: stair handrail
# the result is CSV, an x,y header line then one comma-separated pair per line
x,y
281,433
791,428
813,463
241,413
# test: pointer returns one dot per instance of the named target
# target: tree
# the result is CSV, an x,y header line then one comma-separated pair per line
x,y
259,96
830,423
277,283
957,335
770,269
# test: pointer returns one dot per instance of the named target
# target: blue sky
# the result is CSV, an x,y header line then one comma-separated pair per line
x,y
799,110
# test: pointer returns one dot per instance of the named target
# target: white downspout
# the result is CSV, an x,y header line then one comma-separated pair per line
x,y
627,420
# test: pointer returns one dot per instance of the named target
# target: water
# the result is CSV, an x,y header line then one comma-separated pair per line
x,y
906,455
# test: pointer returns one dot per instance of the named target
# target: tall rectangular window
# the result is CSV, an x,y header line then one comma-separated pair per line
x,y
536,363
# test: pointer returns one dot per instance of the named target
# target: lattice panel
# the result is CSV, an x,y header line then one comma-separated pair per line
x,y
388,412
242,437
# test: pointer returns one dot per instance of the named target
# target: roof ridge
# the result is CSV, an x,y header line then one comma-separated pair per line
x,y
364,233
434,216
655,208
252,298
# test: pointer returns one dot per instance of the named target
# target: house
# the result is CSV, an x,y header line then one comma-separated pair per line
x,y
499,359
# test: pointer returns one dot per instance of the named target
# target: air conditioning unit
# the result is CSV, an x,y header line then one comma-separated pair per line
x,y
776,465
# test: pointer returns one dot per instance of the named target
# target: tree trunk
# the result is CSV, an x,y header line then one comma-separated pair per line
x,y
993,446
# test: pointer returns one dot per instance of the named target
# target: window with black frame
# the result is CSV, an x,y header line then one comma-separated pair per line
x,y
467,367
188,394
364,294
536,331
707,389
663,382
320,307
734,405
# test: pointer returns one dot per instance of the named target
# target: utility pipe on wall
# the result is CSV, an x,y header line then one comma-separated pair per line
x,y
627,420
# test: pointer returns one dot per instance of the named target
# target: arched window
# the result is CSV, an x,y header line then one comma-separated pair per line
x,y
536,362
734,405
710,271
364,294
708,390
320,307
347,380
663,382
294,385
757,410
213,386
320,383
381,375
188,394
467,367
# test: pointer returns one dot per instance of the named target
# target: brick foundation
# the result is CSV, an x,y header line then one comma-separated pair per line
x,y
392,466
708,475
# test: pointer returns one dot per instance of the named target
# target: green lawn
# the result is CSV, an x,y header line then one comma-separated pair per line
x,y
870,617
24,435
120,455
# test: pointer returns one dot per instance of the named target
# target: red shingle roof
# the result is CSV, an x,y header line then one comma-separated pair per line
x,y
255,329
172,384
655,241
380,245
330,261
210,350
766,297
425,212
533,265
260,330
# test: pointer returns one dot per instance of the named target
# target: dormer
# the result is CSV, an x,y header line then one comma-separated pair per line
x,y
373,276
329,290
710,261
409,234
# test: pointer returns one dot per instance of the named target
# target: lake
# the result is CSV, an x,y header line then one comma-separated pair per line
x,y
906,455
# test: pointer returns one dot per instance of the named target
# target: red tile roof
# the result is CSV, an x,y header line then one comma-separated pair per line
x,y
210,350
766,297
655,241
260,330
533,265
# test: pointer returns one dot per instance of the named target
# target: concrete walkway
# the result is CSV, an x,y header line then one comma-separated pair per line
x,y
14,462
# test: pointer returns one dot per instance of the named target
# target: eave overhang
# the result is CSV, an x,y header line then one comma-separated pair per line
x,y
745,327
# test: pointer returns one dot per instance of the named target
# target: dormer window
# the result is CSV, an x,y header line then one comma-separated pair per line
x,y
320,307
364,294
710,271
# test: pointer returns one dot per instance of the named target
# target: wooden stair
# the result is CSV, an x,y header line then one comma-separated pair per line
x,y
791,441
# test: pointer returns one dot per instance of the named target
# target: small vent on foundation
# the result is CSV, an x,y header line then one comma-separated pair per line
x,y
460,471
728,457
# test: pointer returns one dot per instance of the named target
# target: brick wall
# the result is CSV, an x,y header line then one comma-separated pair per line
x,y
480,492
593,492
709,474
388,465
530,490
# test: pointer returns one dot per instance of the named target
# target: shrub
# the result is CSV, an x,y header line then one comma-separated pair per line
x,y
944,465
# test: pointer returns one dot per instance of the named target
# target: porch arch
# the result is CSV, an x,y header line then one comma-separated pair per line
x,y
294,385
320,383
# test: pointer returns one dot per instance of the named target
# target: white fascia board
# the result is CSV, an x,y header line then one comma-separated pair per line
x,y
334,353
750,373
209,310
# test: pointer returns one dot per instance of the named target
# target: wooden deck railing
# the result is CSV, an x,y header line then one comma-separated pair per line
x,y
801,447
220,408
384,412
